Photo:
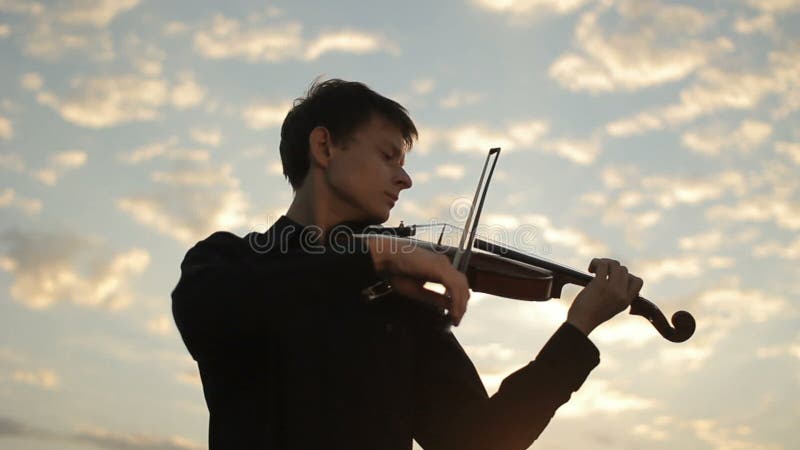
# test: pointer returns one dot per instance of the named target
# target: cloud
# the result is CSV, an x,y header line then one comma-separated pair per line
x,y
720,437
6,130
710,240
275,168
597,397
265,115
164,149
749,135
790,349
790,149
5,30
457,99
145,57
49,267
423,86
711,433
669,191
210,136
190,377
641,58
170,214
433,208
109,440
162,325
190,201
763,23
98,437
682,267
491,350
579,151
59,164
348,41
479,138
107,101
774,6
51,42
451,171
41,378
100,102
636,202
637,124
69,159
665,192
69,27
654,430
517,8
469,138
129,351
772,188
229,39
494,362
760,208
21,7
9,355
12,162
625,330
723,309
715,89
12,428
522,231
186,92
523,134
174,28
97,13
10,199
198,176
31,81
790,250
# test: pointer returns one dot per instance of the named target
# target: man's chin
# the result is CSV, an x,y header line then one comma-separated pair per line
x,y
376,218
379,220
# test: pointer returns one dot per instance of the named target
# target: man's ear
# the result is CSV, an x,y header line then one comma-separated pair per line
x,y
319,144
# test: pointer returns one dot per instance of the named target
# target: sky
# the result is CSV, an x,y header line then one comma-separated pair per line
x,y
662,134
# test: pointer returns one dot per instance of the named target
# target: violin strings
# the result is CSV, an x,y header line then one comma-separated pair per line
x,y
459,230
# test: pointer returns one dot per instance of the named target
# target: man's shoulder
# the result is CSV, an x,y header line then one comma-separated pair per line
x,y
221,238
218,245
221,241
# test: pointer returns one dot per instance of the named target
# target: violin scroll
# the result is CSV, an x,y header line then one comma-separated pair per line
x,y
681,329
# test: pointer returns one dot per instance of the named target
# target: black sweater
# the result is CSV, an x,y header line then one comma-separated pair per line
x,y
292,357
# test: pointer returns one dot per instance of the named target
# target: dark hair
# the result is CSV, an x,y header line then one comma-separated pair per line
x,y
341,107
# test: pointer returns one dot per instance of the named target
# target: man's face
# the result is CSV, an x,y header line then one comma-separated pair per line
x,y
366,174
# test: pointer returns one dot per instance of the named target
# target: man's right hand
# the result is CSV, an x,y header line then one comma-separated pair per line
x,y
409,267
609,293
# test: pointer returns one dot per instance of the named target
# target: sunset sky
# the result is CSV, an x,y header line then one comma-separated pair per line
x,y
665,135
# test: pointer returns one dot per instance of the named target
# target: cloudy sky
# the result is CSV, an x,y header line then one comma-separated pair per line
x,y
662,134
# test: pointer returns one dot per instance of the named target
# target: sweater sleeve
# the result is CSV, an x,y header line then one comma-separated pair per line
x,y
228,293
455,412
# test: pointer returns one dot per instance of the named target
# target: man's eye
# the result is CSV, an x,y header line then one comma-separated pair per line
x,y
387,156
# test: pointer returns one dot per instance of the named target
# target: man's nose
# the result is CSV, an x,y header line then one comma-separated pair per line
x,y
403,179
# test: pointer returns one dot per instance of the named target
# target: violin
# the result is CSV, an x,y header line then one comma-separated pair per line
x,y
504,272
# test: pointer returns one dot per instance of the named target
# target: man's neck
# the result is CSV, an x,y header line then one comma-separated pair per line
x,y
308,209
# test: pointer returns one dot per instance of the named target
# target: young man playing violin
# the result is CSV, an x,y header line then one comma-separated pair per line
x,y
291,353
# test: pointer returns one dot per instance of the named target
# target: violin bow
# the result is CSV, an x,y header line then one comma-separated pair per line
x,y
461,258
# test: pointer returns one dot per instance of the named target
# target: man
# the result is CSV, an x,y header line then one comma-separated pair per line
x,y
293,355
